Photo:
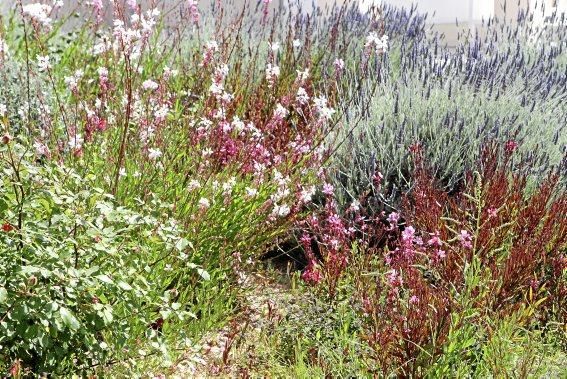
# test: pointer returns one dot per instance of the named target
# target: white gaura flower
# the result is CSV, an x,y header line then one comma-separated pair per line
x,y
73,81
222,71
101,47
272,71
149,21
161,113
3,110
168,72
306,195
216,88
296,43
38,13
303,75
213,46
280,111
259,168
154,154
281,210
76,142
355,206
379,43
320,102
193,184
204,203
207,152
322,109
228,186
220,113
238,124
275,46
302,97
326,113
150,85
339,64
102,72
227,97
43,63
41,149
251,192
280,194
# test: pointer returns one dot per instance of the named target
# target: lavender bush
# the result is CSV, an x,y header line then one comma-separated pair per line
x,y
507,86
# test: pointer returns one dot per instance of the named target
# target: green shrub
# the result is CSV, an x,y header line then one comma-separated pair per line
x,y
81,278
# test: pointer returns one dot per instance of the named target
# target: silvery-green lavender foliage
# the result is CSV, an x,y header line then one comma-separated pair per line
x,y
24,106
509,85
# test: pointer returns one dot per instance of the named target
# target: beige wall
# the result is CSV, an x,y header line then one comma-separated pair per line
x,y
512,8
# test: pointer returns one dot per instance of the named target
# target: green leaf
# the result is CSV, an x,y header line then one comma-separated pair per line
x,y
104,278
165,313
204,274
3,295
34,270
125,286
182,243
107,315
69,319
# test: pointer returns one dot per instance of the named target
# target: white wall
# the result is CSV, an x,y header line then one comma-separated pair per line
x,y
546,8
445,11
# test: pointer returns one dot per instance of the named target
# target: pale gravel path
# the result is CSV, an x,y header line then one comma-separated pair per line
x,y
264,303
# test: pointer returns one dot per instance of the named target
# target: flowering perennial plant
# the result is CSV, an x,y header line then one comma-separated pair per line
x,y
424,255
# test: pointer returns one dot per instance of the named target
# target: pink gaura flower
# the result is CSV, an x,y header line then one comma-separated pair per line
x,y
466,239
339,65
377,179
133,4
511,146
408,235
328,189
394,279
194,10
435,241
393,218
311,274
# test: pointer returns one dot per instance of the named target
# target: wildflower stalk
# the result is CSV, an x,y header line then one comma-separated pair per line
x,y
28,68
125,128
